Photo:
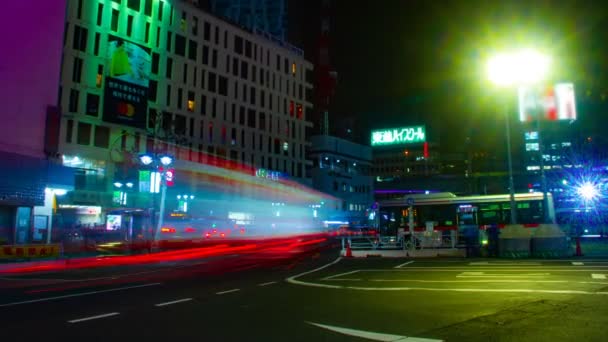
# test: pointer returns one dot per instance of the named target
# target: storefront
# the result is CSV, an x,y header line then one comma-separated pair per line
x,y
27,186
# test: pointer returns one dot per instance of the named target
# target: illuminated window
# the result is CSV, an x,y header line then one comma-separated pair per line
x,y
532,147
293,68
191,102
531,135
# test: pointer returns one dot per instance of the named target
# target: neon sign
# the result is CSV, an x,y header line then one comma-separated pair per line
x,y
399,136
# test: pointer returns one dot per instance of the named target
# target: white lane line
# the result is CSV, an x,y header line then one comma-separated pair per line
x,y
447,269
486,263
469,281
503,275
578,263
78,320
405,263
598,276
174,302
228,291
343,279
293,280
471,290
77,295
370,335
268,283
339,275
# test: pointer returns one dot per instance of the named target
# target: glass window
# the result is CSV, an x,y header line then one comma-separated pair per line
x,y
92,104
79,41
133,4
99,14
114,22
193,46
148,7
77,70
73,101
180,45
83,134
212,82
102,136
69,131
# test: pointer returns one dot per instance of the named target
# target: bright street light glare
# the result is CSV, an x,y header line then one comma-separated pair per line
x,y
518,68
588,191
145,159
166,160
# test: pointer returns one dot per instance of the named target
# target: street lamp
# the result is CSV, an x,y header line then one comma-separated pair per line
x,y
516,69
588,191
160,162
183,202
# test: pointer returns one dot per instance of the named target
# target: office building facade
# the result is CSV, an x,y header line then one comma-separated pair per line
x,y
341,168
157,75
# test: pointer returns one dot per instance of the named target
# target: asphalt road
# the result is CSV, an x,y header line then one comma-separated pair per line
x,y
310,295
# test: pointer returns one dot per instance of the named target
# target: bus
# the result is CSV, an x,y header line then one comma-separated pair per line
x,y
446,212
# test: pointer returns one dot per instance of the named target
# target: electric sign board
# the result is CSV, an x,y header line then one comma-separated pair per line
x,y
398,136
551,103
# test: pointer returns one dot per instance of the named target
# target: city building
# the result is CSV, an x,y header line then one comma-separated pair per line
x,y
29,178
341,168
164,76
268,16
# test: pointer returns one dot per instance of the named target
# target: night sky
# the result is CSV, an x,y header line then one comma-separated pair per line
x,y
421,62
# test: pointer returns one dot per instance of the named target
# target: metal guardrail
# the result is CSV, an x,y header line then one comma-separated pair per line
x,y
420,240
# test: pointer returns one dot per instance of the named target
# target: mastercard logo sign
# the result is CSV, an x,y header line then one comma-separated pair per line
x,y
126,109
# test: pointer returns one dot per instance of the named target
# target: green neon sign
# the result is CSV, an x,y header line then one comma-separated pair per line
x,y
399,136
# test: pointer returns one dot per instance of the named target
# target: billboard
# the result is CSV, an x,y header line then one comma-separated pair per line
x,y
552,103
127,79
398,136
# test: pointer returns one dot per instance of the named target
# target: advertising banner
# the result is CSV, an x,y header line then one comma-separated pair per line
x,y
29,251
127,80
552,103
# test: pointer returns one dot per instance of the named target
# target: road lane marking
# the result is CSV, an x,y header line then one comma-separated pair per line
x,y
405,263
340,274
228,291
577,263
598,276
503,275
78,320
174,302
268,283
498,263
370,335
469,281
448,269
343,279
293,280
77,295
472,290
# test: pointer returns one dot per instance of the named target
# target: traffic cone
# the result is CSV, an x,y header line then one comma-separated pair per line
x,y
579,252
349,252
